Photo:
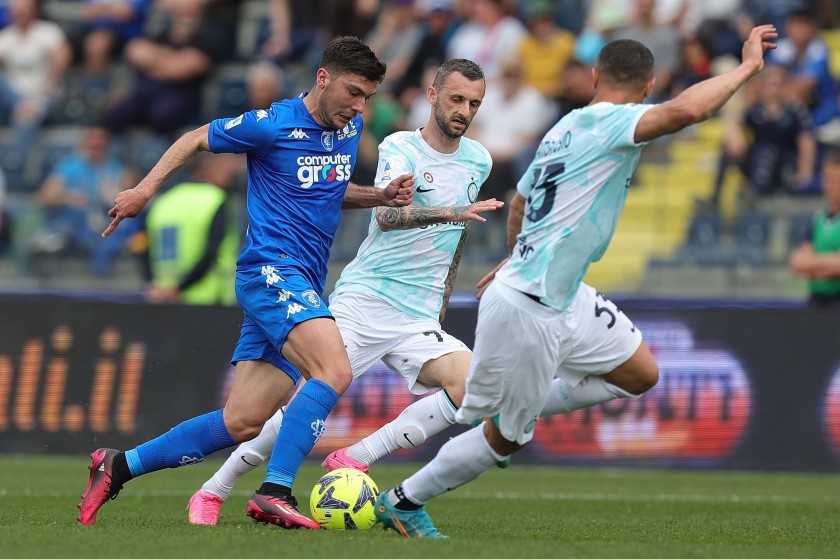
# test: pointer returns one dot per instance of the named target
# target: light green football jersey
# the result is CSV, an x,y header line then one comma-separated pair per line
x,y
575,189
408,268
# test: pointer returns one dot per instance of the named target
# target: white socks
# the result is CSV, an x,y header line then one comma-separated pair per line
x,y
590,391
460,460
245,458
419,421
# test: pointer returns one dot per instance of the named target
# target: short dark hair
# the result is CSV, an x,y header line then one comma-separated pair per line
x,y
625,62
348,55
466,68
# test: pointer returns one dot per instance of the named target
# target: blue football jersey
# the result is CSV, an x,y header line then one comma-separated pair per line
x,y
298,172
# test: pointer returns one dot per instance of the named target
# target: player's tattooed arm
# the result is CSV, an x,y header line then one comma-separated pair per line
x,y
449,284
411,216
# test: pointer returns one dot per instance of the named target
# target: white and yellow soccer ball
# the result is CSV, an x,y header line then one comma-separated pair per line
x,y
343,499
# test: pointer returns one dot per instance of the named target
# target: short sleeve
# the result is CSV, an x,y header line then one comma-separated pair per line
x,y
393,162
252,133
619,125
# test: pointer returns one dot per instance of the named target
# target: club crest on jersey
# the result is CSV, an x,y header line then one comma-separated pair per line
x,y
327,140
472,192
311,298
348,131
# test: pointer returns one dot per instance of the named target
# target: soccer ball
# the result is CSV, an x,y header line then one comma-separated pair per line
x,y
343,499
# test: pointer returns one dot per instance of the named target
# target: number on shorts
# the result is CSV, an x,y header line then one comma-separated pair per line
x,y
434,333
599,310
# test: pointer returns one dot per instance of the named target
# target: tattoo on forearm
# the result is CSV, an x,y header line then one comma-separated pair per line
x,y
388,216
449,284
408,217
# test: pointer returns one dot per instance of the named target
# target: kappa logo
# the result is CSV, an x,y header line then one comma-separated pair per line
x,y
187,460
294,308
261,114
318,427
298,134
283,296
311,298
271,275
328,140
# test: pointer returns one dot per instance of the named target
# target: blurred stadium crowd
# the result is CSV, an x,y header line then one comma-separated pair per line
x,y
93,91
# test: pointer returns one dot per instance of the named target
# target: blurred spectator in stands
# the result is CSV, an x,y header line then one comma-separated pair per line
x,y
192,254
394,39
296,32
817,258
34,55
515,117
106,27
603,21
171,70
806,58
696,66
76,197
662,40
220,20
350,17
4,13
545,50
771,141
578,88
5,217
265,83
439,26
773,11
488,35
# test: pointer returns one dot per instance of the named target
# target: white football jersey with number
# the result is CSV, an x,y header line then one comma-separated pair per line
x,y
408,268
575,189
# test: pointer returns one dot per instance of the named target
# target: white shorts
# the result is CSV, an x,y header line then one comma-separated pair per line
x,y
372,330
521,345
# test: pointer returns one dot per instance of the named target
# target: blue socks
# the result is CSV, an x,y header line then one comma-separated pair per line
x,y
303,424
184,444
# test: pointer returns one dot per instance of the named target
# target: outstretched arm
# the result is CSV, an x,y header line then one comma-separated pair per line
x,y
410,217
700,101
399,192
129,203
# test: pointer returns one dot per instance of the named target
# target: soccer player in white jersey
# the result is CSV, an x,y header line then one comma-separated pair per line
x,y
390,300
537,320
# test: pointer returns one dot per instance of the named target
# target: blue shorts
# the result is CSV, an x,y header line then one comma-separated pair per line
x,y
275,299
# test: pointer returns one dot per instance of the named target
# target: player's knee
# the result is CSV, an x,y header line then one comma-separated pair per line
x,y
497,441
243,427
338,378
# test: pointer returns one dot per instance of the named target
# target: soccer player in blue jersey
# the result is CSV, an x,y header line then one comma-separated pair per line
x,y
390,300
538,323
301,154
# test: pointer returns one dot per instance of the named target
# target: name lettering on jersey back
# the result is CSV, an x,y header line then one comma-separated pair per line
x,y
323,169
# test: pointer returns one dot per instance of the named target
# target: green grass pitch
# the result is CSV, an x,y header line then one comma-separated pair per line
x,y
520,512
